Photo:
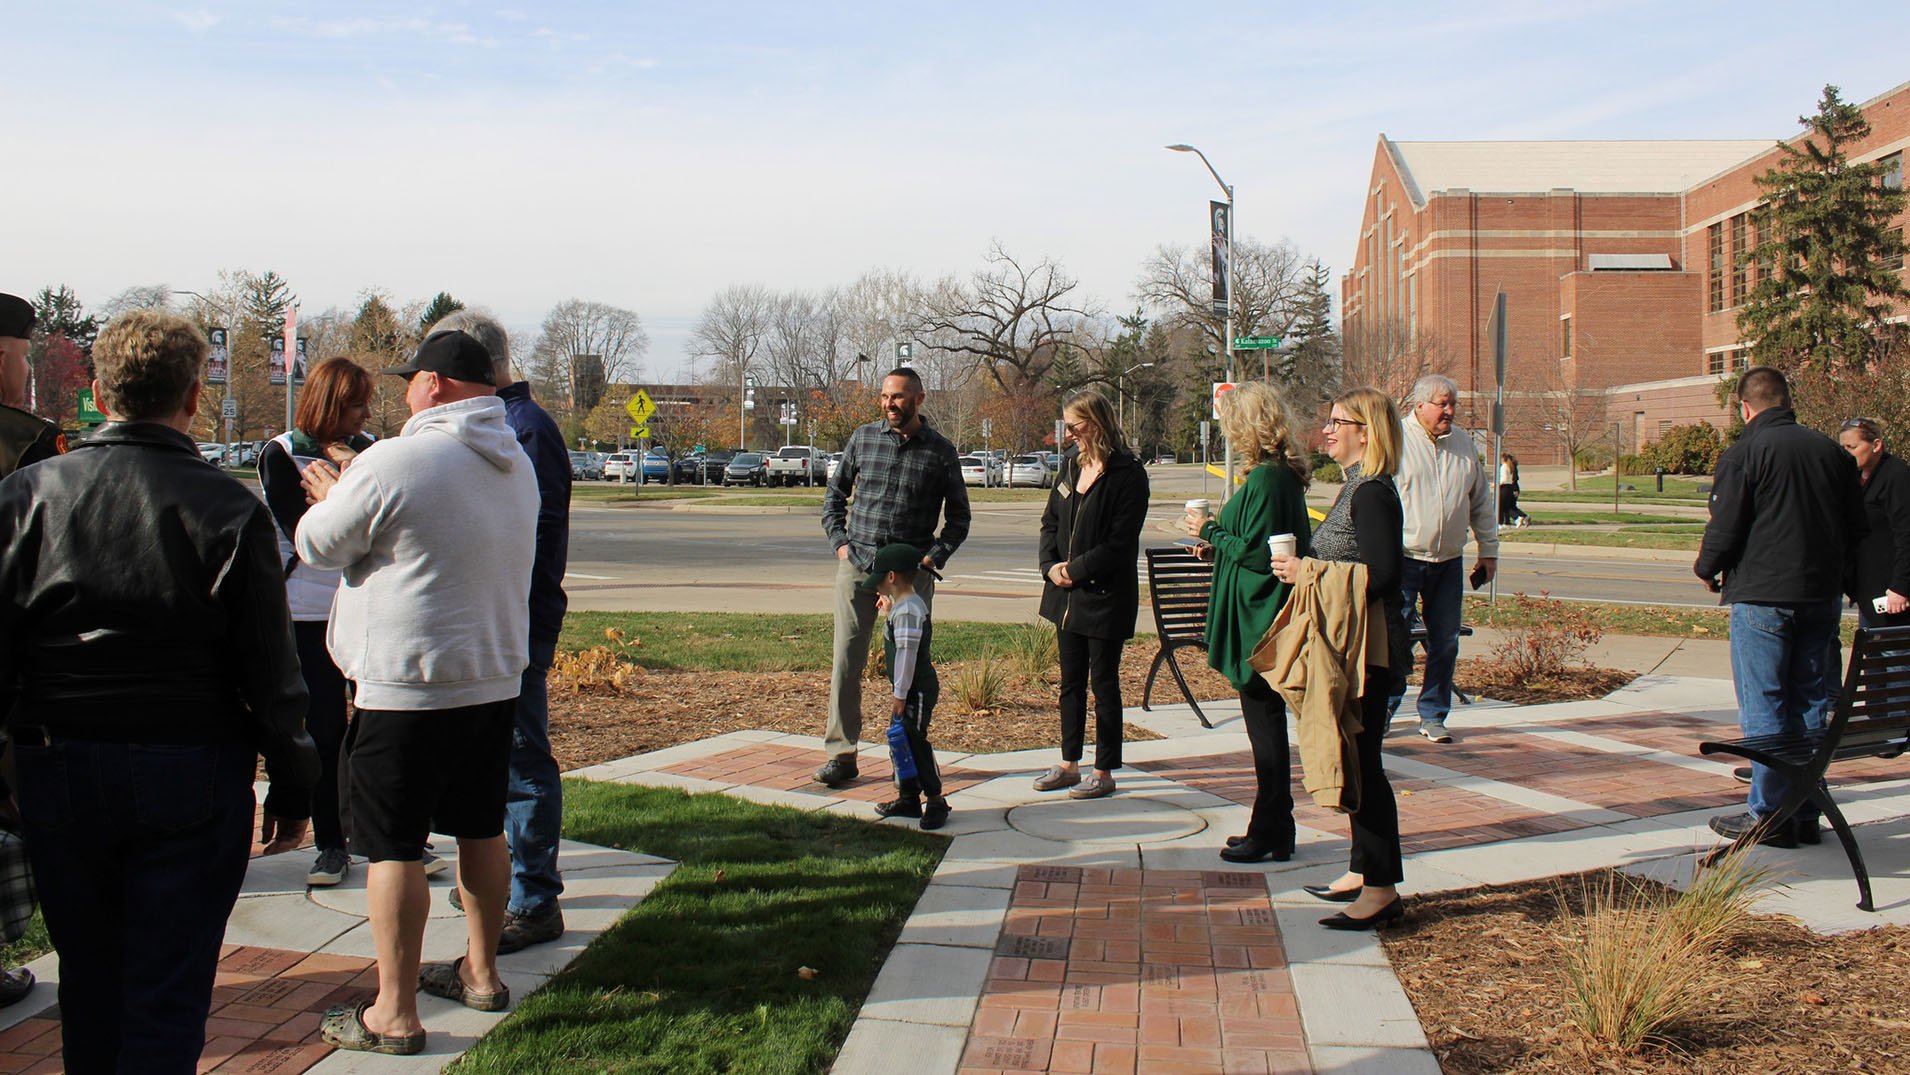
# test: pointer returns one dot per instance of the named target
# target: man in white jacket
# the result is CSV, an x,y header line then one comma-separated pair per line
x,y
435,531
1444,491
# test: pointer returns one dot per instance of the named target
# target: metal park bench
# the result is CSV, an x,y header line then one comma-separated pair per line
x,y
1872,720
1178,583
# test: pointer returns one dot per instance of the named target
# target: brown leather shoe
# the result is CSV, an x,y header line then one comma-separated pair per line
x,y
1093,788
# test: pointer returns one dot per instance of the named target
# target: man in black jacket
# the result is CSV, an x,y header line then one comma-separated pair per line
x,y
1786,511
143,618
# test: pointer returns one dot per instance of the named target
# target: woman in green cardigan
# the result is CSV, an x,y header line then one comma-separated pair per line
x,y
1246,596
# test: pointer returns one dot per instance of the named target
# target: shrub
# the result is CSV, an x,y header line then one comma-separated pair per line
x,y
1639,965
1593,458
1331,472
599,667
1688,449
1545,637
981,685
1633,464
1034,650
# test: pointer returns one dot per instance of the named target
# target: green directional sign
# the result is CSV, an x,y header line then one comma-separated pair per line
x,y
1256,343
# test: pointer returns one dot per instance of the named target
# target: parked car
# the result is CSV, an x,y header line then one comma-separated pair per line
x,y
796,464
1165,458
710,464
746,468
656,467
979,469
586,466
620,467
1028,470
835,464
212,453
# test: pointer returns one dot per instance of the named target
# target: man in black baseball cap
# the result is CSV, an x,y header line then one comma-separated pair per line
x,y
24,438
453,354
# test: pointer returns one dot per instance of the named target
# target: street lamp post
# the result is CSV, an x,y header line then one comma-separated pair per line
x,y
225,388
1227,487
1120,393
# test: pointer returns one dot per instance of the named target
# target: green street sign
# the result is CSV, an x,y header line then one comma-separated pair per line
x,y
89,415
1256,343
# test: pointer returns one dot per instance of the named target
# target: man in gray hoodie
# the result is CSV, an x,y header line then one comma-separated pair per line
x,y
435,531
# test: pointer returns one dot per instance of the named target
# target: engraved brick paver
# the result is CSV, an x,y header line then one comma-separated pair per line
x,y
782,767
266,1006
1101,970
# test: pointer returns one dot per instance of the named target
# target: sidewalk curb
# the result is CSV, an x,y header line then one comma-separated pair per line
x,y
1545,550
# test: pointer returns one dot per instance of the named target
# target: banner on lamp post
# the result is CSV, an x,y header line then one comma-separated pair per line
x,y
299,366
275,365
1217,212
218,356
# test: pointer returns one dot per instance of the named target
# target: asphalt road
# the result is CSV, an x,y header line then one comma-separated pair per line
x,y
641,557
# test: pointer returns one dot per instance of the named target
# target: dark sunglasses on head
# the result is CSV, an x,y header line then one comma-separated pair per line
x,y
1868,425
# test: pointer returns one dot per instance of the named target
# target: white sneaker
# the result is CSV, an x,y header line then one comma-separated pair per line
x,y
433,865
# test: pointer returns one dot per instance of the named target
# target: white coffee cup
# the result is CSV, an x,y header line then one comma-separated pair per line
x,y
1283,545
1199,506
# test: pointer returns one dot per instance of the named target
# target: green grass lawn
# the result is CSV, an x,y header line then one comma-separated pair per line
x,y
703,975
1590,517
1639,537
748,642
32,944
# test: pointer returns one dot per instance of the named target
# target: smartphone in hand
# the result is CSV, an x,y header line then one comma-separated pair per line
x,y
1478,576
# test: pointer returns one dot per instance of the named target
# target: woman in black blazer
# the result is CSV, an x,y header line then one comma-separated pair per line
x,y
1090,538
1881,566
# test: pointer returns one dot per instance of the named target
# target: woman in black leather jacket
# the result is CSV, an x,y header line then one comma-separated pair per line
x,y
1090,537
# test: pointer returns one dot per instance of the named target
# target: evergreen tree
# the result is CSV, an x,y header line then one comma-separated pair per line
x,y
266,300
1828,253
60,313
441,306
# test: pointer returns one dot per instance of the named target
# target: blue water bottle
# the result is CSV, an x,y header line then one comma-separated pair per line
x,y
900,754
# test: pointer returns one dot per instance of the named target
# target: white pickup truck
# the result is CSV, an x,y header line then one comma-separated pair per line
x,y
797,464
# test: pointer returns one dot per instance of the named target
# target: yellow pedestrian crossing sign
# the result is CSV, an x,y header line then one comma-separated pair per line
x,y
640,407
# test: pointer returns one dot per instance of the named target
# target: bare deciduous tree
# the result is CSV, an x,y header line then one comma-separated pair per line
x,y
579,327
1011,320
1269,291
1390,356
732,330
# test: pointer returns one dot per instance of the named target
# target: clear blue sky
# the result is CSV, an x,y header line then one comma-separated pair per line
x,y
649,155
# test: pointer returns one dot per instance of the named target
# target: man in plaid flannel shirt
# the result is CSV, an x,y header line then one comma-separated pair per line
x,y
904,475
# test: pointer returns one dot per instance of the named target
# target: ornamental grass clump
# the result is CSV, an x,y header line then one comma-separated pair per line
x,y
1639,964
599,667
1034,649
981,685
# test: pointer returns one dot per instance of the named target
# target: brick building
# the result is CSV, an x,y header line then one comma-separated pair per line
x,y
1618,260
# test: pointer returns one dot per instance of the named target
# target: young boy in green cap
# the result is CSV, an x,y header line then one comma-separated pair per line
x,y
905,650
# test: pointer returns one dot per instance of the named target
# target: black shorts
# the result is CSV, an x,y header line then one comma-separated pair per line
x,y
410,773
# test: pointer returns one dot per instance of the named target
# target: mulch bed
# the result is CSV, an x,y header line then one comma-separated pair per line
x,y
665,708
1482,969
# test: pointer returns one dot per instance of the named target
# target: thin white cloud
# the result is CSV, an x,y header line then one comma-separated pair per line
x,y
198,20
458,33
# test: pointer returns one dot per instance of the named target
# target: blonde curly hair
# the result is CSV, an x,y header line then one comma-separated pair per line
x,y
1255,420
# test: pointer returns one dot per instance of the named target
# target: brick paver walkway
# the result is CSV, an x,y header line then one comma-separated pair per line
x,y
1102,970
792,768
266,1006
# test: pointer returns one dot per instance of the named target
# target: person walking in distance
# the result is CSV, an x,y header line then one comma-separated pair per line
x,y
330,425
534,803
1246,597
1444,491
1090,537
436,533
903,475
1786,515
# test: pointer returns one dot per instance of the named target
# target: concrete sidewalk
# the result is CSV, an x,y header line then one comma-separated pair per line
x,y
1108,935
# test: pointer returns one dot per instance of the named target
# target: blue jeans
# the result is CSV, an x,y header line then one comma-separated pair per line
x,y
534,800
1781,666
1438,586
138,852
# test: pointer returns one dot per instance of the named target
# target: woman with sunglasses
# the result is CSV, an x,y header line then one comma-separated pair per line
x,y
1881,568
1366,526
1271,501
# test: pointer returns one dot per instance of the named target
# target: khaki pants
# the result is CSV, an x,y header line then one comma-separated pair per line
x,y
855,623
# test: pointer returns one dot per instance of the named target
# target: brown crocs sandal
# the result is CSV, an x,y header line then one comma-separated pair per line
x,y
442,980
345,1028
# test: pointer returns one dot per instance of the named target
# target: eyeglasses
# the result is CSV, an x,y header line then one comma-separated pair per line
x,y
1868,425
1335,423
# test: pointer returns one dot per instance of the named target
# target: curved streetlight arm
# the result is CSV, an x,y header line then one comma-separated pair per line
x,y
1181,148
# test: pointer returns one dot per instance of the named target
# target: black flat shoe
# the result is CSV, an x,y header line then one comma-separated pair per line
x,y
1386,915
1236,841
1331,894
1252,850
